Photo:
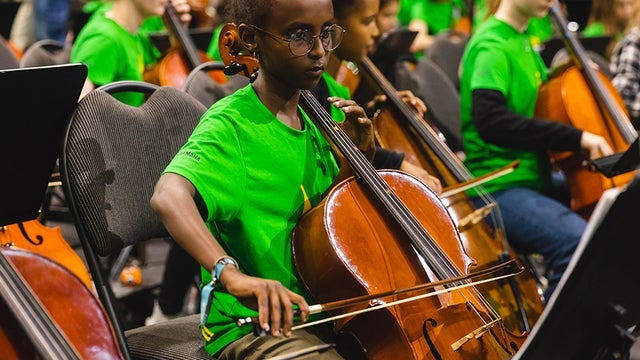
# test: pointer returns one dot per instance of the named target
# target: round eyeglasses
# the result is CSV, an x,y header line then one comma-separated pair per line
x,y
301,42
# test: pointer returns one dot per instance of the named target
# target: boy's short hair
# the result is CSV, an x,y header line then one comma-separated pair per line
x,y
249,11
341,8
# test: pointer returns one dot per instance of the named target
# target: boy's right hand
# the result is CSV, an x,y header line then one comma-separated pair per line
x,y
273,301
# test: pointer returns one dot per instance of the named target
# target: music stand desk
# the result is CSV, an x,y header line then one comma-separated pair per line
x,y
598,298
37,105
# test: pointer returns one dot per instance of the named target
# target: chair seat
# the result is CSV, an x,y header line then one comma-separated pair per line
x,y
173,339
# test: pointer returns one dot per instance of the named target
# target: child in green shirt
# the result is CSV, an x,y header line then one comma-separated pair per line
x,y
501,75
114,45
255,163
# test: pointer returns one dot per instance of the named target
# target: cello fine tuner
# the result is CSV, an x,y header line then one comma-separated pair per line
x,y
475,334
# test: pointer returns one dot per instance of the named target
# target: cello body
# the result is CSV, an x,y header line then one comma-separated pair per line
x,y
567,98
347,247
74,309
518,300
33,236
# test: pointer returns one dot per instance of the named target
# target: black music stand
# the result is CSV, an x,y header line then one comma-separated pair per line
x,y
201,39
597,44
37,103
8,11
619,163
597,302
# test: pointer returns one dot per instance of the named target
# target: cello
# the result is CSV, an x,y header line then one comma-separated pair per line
x,y
34,236
399,127
177,63
46,312
581,96
382,231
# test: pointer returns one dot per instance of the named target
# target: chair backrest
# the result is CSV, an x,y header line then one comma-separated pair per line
x,y
446,52
427,81
200,85
8,60
46,52
112,156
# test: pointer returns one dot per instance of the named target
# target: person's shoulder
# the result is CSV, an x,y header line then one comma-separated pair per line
x,y
99,26
632,36
491,34
240,103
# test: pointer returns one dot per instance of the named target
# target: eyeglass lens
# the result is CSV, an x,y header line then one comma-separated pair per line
x,y
302,42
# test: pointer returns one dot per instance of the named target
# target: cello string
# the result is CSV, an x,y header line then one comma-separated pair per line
x,y
428,134
367,173
437,145
43,332
416,232
428,248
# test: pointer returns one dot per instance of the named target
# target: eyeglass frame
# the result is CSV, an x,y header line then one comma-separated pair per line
x,y
310,43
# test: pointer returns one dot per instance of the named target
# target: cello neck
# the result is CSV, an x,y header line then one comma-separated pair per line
x,y
579,55
43,333
426,133
182,35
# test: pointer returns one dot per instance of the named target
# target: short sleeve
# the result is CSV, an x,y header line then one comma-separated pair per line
x,y
490,71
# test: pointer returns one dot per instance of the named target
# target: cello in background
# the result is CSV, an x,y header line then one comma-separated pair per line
x,y
46,312
34,236
399,127
582,97
180,59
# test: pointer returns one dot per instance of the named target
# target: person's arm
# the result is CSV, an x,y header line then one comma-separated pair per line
x,y
173,201
423,40
625,67
498,125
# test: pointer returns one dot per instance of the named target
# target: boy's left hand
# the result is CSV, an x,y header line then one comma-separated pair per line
x,y
357,125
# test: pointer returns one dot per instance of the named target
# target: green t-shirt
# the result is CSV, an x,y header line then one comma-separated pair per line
x,y
594,29
597,29
111,53
439,15
336,89
498,57
540,29
254,177
214,49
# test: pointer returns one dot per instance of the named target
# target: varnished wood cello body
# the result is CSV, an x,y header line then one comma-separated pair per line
x,y
581,96
517,300
46,312
33,236
377,232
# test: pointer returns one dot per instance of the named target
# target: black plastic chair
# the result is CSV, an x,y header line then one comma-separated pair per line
x,y
429,82
112,156
8,59
446,52
200,85
46,52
